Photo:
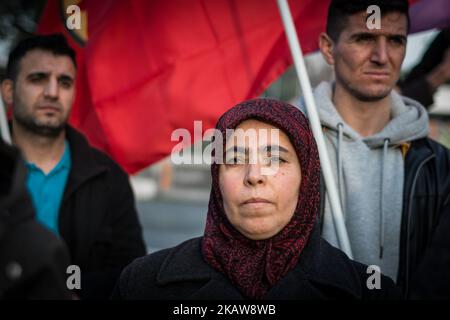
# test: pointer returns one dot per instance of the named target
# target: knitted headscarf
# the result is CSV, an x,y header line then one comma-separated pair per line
x,y
254,266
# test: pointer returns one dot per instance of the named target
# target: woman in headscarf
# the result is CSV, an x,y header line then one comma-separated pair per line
x,y
261,238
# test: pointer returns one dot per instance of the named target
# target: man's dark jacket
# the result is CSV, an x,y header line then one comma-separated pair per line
x,y
98,219
33,261
424,262
424,269
181,273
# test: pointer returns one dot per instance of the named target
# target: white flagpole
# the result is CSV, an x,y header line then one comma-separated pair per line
x,y
5,134
313,116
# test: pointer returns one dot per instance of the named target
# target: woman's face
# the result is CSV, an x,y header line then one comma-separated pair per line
x,y
259,202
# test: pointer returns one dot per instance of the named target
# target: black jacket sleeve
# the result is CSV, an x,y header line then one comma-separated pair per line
x,y
432,278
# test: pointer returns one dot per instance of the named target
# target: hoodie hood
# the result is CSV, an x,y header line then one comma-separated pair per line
x,y
409,119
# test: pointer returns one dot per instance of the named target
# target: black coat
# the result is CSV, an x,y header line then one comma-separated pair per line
x,y
424,268
33,260
424,261
323,272
98,219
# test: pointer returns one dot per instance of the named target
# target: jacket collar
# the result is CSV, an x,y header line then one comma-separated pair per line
x,y
319,263
84,163
185,263
419,152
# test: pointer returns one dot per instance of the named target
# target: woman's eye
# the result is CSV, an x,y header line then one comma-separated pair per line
x,y
236,160
274,159
277,159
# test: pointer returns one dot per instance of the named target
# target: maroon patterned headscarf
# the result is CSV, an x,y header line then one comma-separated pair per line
x,y
254,266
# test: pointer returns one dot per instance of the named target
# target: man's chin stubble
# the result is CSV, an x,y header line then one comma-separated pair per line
x,y
39,129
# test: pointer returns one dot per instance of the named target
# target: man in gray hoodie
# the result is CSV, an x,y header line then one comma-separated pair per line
x,y
394,182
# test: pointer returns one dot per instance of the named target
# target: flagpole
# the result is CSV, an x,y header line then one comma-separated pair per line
x,y
297,55
5,134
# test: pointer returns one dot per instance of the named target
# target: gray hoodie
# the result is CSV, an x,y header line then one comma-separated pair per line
x,y
369,172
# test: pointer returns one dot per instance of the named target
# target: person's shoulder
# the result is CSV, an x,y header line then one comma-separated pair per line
x,y
39,254
431,148
91,155
105,160
438,149
156,259
37,241
372,283
139,279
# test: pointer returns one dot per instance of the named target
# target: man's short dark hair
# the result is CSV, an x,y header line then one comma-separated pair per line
x,y
54,43
340,10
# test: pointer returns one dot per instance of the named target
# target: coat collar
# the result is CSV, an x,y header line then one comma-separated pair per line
x,y
84,163
185,263
319,264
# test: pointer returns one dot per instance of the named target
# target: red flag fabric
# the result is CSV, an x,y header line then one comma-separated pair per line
x,y
150,67
147,68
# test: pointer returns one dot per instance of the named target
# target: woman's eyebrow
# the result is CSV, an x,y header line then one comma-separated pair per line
x,y
271,148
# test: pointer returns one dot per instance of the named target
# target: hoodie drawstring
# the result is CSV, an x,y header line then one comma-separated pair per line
x,y
340,125
385,148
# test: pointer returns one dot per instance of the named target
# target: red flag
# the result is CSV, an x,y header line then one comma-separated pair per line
x,y
147,68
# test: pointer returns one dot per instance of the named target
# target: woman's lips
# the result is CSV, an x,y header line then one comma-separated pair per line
x,y
256,201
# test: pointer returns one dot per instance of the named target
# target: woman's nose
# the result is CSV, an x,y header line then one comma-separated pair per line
x,y
254,175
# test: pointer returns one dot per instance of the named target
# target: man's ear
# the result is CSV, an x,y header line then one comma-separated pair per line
x,y
8,91
326,45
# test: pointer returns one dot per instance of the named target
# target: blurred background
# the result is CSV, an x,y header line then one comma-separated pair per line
x,y
172,199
